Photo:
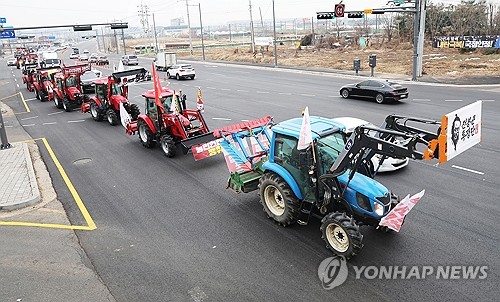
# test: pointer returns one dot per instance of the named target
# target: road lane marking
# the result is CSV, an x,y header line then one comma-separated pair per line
x,y
9,126
245,120
285,93
55,112
32,99
486,100
308,95
51,123
28,125
422,100
240,90
262,92
225,89
78,121
453,100
221,118
468,170
29,118
15,80
17,85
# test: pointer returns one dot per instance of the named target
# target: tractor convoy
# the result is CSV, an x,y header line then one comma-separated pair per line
x,y
301,168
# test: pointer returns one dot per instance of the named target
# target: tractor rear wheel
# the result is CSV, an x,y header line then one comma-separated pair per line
x,y
113,119
37,95
278,199
95,112
168,145
145,134
57,102
134,111
341,234
66,105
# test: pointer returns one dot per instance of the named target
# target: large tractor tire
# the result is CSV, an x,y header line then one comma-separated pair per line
x,y
278,199
168,145
341,234
113,119
37,95
66,105
146,136
134,111
95,112
57,102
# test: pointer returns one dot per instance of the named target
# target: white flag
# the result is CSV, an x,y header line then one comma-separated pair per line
x,y
394,220
124,116
120,66
305,138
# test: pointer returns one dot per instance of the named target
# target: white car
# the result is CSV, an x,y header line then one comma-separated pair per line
x,y
389,164
181,72
84,57
73,56
11,62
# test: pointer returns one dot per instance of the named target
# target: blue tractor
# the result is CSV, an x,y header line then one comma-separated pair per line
x,y
330,179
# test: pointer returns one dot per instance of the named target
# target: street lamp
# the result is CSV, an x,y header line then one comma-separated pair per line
x,y
274,29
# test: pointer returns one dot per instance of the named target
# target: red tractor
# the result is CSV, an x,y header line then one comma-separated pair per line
x,y
109,93
68,91
44,83
29,75
170,124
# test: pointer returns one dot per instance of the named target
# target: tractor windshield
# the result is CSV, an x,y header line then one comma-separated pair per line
x,y
116,89
71,82
329,148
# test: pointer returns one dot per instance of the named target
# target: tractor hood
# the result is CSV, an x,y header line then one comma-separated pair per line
x,y
119,99
73,92
364,185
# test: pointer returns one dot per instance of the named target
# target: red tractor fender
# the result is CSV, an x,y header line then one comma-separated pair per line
x,y
96,100
36,85
59,93
148,121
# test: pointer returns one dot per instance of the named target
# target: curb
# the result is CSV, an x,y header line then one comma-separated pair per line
x,y
33,183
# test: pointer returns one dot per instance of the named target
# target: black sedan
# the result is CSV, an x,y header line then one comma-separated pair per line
x,y
377,89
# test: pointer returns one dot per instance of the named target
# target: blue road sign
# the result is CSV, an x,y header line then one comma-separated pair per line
x,y
3,20
7,34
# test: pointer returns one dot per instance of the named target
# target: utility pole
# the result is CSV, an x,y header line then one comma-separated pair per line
x,y
416,31
420,46
201,32
274,29
97,38
116,42
251,26
156,39
123,40
261,21
189,29
230,38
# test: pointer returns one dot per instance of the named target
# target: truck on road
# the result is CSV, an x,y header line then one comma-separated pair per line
x,y
165,60
49,59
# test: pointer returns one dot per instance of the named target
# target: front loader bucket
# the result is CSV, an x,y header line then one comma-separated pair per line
x,y
188,143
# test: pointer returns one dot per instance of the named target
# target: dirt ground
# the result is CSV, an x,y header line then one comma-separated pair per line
x,y
396,59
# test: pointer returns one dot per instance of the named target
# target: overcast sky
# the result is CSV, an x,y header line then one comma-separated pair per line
x,y
214,12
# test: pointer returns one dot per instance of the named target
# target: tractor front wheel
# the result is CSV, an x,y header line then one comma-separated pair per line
x,y
341,234
66,105
37,95
145,134
168,145
278,199
95,112
112,117
57,102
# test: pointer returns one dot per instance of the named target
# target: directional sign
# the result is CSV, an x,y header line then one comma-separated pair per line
x,y
3,20
7,34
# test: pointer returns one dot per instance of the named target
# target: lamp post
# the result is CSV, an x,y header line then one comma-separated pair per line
x,y
274,29
201,31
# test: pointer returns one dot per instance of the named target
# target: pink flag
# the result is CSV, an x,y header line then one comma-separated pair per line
x,y
305,138
396,216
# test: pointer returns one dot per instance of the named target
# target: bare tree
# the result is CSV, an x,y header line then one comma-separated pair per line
x,y
388,25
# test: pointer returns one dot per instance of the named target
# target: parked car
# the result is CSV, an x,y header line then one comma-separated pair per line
x,y
11,62
93,58
181,72
73,56
389,163
102,60
87,80
380,90
130,60
83,57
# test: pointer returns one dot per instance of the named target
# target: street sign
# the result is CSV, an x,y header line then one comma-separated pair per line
x,y
339,10
325,15
368,11
7,34
3,20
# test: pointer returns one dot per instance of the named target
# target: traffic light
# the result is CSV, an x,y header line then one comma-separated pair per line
x,y
82,27
339,10
355,15
325,16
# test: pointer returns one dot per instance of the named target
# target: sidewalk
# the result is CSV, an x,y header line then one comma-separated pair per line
x,y
38,263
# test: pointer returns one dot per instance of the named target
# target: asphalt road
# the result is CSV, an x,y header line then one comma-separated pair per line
x,y
168,230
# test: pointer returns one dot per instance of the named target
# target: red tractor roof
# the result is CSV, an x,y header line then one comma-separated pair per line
x,y
150,94
101,81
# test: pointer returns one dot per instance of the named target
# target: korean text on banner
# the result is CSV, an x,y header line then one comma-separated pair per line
x,y
464,129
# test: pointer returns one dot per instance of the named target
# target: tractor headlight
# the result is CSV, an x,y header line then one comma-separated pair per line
x,y
379,209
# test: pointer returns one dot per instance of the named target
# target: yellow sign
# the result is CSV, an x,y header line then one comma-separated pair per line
x,y
368,11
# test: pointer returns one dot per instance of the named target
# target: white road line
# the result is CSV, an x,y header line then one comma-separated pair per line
x,y
211,88
334,96
29,100
184,84
309,95
28,125
221,118
422,100
17,85
14,75
468,170
239,90
15,80
453,100
285,93
262,92
225,89
244,120
486,100
55,113
29,118
78,121
51,123
9,126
